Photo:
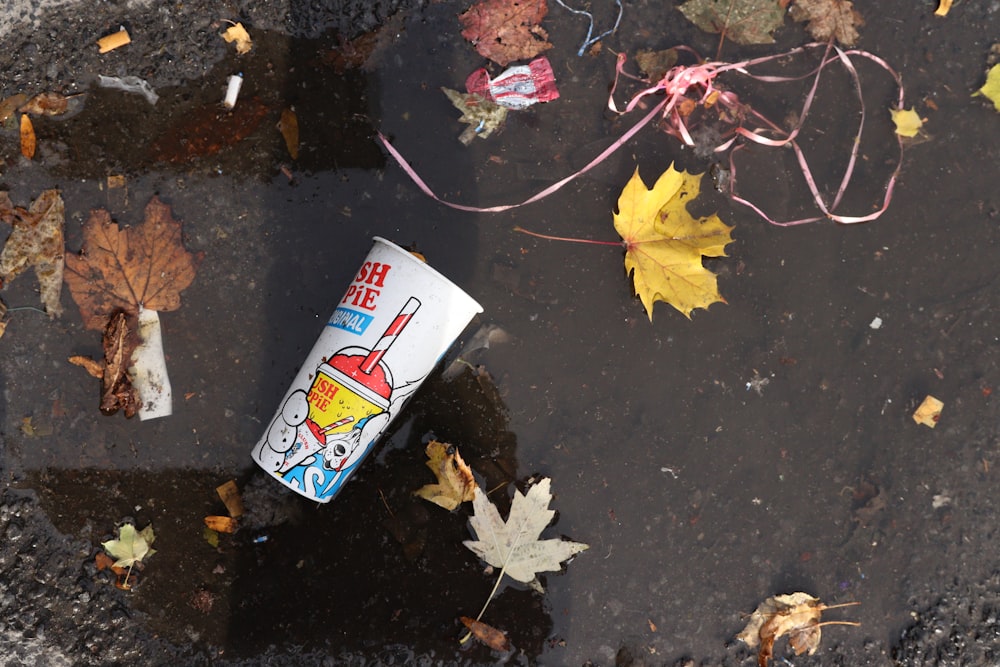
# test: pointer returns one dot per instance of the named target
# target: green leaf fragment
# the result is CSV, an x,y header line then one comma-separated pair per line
x,y
992,88
743,21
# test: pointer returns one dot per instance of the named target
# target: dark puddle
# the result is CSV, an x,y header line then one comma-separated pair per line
x,y
292,574
189,131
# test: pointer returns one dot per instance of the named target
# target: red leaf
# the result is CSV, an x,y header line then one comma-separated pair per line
x,y
506,30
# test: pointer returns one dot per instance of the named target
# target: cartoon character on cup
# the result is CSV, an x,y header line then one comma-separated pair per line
x,y
321,434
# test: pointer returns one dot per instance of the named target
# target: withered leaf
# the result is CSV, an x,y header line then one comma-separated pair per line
x,y
237,33
828,19
483,116
656,63
28,140
7,210
46,104
487,634
221,524
455,482
33,429
743,21
37,240
103,561
10,105
289,128
796,615
124,268
117,391
94,368
120,341
506,30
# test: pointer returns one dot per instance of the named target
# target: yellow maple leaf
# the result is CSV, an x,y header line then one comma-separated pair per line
x,y
908,122
664,243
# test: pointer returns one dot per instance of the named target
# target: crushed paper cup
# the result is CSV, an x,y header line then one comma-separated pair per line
x,y
395,322
517,87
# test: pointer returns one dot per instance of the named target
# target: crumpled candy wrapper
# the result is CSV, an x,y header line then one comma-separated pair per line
x,y
517,87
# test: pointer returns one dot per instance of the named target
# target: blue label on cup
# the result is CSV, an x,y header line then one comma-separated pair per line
x,y
350,320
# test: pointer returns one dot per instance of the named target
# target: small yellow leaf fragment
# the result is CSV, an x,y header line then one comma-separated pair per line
x,y
289,128
237,33
94,368
36,430
929,412
992,87
113,41
28,141
908,122
943,8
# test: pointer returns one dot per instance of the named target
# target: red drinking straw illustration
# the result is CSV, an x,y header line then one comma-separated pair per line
x,y
336,424
370,362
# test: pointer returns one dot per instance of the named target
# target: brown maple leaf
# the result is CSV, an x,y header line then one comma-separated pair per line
x,y
506,30
829,19
124,268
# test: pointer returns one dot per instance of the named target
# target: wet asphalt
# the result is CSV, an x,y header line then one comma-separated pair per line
x,y
816,479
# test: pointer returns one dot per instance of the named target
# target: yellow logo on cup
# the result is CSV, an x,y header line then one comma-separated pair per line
x,y
341,395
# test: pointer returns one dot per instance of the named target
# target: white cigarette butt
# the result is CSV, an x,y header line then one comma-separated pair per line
x,y
233,91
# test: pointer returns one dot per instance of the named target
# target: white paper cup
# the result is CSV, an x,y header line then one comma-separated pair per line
x,y
396,320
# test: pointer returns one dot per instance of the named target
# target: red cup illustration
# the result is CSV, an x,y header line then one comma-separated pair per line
x,y
395,321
